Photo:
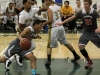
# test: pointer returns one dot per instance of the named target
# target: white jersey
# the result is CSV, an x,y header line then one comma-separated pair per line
x,y
10,11
27,17
56,14
1,11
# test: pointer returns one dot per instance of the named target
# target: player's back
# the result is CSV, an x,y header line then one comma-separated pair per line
x,y
56,14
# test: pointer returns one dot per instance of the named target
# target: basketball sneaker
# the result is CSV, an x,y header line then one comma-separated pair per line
x,y
48,63
75,58
7,64
88,64
19,60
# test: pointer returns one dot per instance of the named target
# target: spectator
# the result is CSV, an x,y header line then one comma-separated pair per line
x,y
98,7
66,12
10,14
1,15
78,7
95,6
18,5
34,4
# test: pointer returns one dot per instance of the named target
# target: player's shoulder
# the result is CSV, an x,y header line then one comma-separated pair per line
x,y
29,29
22,12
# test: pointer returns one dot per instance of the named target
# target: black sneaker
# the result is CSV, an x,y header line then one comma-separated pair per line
x,y
75,58
19,61
48,63
7,64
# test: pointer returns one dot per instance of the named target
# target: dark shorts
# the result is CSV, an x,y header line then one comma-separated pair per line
x,y
90,36
14,48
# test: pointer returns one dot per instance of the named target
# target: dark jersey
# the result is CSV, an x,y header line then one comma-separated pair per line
x,y
89,20
32,35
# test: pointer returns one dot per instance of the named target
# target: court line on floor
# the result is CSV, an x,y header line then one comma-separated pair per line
x,y
42,45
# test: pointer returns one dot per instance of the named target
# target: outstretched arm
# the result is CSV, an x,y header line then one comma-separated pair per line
x,y
67,20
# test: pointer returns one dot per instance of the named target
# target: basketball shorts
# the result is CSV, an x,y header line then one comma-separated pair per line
x,y
14,48
90,36
56,34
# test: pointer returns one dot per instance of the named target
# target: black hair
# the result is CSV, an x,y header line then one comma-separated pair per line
x,y
67,2
24,1
11,3
37,21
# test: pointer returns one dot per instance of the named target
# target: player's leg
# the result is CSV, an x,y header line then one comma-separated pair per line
x,y
8,62
49,50
28,55
62,39
76,56
18,58
84,39
2,59
49,53
32,59
11,51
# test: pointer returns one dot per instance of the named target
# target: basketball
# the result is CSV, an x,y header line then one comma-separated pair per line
x,y
26,45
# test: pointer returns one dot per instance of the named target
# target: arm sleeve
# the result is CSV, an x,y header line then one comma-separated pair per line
x,y
21,19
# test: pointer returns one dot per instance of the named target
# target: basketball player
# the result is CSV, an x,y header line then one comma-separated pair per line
x,y
56,33
14,47
26,18
89,17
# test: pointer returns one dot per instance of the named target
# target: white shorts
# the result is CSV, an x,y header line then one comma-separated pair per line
x,y
56,34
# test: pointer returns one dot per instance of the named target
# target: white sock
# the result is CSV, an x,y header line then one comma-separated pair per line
x,y
17,56
12,58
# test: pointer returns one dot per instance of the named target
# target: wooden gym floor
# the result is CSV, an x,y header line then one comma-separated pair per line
x,y
61,58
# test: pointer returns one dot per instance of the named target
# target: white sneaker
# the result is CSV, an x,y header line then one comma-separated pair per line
x,y
7,64
19,61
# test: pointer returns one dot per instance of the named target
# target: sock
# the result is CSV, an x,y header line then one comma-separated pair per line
x,y
85,54
12,58
49,57
33,71
17,56
74,53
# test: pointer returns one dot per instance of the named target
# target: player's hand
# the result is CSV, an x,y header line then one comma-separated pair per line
x,y
37,37
97,30
22,40
58,23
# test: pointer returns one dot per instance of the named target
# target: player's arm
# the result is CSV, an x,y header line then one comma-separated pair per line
x,y
24,33
21,23
21,27
50,17
66,21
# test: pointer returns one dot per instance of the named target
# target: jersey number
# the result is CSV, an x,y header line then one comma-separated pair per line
x,y
56,15
88,22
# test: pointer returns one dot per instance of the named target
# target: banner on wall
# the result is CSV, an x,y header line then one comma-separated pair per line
x,y
58,1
